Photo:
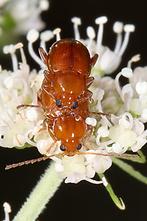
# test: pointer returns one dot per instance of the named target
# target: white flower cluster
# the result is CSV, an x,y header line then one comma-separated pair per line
x,y
109,60
26,14
18,87
123,130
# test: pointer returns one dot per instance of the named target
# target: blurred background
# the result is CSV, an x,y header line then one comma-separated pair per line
x,y
83,201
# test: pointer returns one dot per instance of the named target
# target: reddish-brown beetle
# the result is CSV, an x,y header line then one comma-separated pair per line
x,y
67,78
64,94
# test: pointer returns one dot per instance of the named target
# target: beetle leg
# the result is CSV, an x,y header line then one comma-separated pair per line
x,y
94,59
43,55
89,81
46,72
50,121
52,135
84,97
85,141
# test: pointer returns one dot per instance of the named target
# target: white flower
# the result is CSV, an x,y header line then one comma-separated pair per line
x,y
108,60
117,148
128,133
141,88
91,121
74,169
102,132
125,137
99,163
137,93
108,135
44,143
141,133
26,14
18,87
82,167
139,75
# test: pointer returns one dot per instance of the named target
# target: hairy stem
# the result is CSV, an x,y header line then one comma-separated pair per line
x,y
40,196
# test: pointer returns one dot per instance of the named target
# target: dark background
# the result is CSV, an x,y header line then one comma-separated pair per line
x,y
83,201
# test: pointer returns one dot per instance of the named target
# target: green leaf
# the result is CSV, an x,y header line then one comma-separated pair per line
x,y
130,170
117,200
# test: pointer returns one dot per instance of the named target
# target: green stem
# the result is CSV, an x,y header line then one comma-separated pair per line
x,y
117,200
130,170
40,196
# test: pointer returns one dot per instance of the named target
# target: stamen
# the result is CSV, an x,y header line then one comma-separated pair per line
x,y
32,36
44,5
128,29
126,120
100,109
7,210
28,140
45,36
100,22
76,22
118,28
91,121
23,57
57,32
127,72
10,49
135,58
91,35
117,84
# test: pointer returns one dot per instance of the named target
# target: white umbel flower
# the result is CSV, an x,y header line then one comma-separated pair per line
x,y
77,168
114,132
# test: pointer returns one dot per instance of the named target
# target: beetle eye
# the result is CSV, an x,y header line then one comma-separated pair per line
x,y
75,104
79,146
58,103
2,136
62,147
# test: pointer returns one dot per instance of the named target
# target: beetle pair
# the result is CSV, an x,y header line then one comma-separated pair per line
x,y
64,97
64,94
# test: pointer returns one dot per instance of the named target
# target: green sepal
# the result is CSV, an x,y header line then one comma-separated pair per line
x,y
117,200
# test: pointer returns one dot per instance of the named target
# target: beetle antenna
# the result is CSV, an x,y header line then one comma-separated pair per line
x,y
37,160
32,161
27,105
122,156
